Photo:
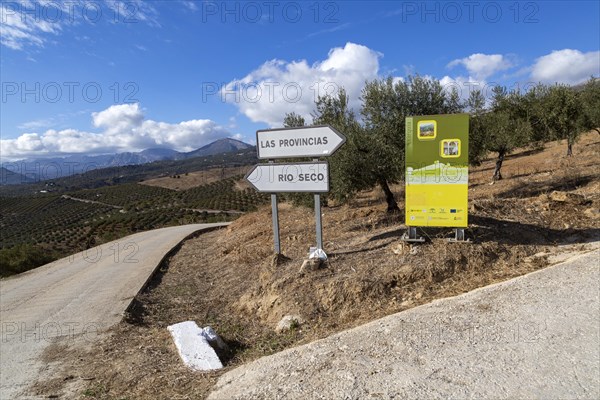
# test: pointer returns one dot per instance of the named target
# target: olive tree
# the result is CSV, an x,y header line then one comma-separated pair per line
x,y
349,166
590,104
503,133
386,104
293,120
506,127
475,105
563,114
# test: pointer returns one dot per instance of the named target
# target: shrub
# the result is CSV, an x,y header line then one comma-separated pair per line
x,y
23,257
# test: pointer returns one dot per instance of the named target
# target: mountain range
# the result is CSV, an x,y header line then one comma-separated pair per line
x,y
33,170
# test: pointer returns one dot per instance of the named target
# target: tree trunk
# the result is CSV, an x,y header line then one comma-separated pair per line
x,y
497,173
569,149
392,206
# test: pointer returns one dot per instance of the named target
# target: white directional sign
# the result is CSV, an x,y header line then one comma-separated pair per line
x,y
293,177
311,141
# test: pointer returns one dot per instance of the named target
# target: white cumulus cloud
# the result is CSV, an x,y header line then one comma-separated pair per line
x,y
278,87
121,128
566,66
118,117
465,85
482,66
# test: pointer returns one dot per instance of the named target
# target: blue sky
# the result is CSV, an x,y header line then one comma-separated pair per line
x,y
109,76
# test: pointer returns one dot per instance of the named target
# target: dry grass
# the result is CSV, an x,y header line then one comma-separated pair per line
x,y
227,278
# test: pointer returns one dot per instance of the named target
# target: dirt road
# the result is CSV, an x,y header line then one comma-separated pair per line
x,y
74,299
535,336
64,196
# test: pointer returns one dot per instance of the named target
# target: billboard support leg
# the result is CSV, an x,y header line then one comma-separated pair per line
x,y
411,235
459,236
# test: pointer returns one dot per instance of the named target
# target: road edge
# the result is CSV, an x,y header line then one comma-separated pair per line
x,y
168,255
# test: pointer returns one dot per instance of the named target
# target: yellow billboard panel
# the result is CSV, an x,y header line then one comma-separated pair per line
x,y
437,171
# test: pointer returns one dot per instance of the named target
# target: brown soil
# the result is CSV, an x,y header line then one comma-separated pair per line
x,y
228,279
197,178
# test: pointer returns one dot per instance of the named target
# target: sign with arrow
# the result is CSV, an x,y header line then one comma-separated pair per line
x,y
310,177
306,141
310,141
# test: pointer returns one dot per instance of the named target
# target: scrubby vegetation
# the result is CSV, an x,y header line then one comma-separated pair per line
x,y
21,258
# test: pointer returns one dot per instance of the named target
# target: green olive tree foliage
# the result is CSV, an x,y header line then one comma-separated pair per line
x,y
475,105
504,132
350,166
506,126
530,106
526,117
563,114
23,257
293,120
590,104
385,106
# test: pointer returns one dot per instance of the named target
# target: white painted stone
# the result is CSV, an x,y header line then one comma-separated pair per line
x,y
194,347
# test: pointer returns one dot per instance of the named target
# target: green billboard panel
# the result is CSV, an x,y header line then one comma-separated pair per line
x,y
437,170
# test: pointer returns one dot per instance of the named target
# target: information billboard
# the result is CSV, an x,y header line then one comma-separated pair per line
x,y
437,170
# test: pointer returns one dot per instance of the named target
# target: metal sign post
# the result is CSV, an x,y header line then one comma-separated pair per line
x,y
275,213
318,223
308,177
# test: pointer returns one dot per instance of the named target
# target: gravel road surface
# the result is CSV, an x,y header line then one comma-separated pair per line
x,y
74,298
536,336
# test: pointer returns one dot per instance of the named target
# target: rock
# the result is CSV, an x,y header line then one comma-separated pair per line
x,y
566,197
289,322
401,248
311,264
558,196
592,212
